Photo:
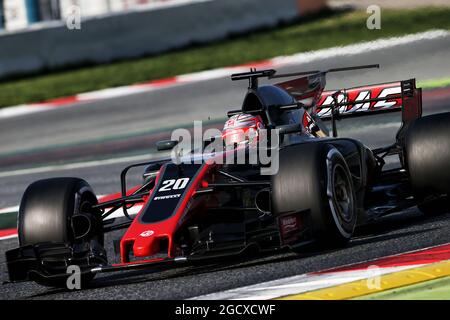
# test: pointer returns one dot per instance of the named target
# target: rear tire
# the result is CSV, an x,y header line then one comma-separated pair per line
x,y
45,216
315,177
427,157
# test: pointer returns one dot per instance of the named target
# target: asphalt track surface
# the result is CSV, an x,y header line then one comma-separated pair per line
x,y
144,116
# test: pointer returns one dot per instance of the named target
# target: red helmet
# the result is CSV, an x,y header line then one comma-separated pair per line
x,y
242,129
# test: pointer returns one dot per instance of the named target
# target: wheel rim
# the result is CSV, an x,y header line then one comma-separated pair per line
x,y
342,194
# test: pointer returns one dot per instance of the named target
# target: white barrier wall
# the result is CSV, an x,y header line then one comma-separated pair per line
x,y
15,14
137,33
96,7
88,7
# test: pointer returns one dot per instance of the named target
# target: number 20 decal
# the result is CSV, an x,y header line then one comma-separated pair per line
x,y
173,184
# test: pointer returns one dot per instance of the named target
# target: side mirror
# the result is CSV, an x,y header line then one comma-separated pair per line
x,y
151,170
290,128
166,145
294,106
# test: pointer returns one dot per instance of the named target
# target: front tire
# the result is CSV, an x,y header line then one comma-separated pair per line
x,y
315,177
46,216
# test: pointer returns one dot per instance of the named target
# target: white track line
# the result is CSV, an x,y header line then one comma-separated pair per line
x,y
359,48
116,214
77,165
8,237
20,110
110,93
9,210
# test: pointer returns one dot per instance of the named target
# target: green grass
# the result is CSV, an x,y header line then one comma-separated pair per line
x,y
326,31
8,220
434,83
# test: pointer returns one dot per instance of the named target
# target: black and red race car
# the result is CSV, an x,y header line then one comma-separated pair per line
x,y
195,212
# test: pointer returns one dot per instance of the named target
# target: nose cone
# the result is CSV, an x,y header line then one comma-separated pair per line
x,y
144,247
144,243
152,231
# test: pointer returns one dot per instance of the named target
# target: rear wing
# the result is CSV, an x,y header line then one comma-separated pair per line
x,y
360,101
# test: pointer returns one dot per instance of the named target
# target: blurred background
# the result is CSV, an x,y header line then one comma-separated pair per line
x,y
20,14
36,34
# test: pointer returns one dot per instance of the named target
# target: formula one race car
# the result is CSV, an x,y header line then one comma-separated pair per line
x,y
322,187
